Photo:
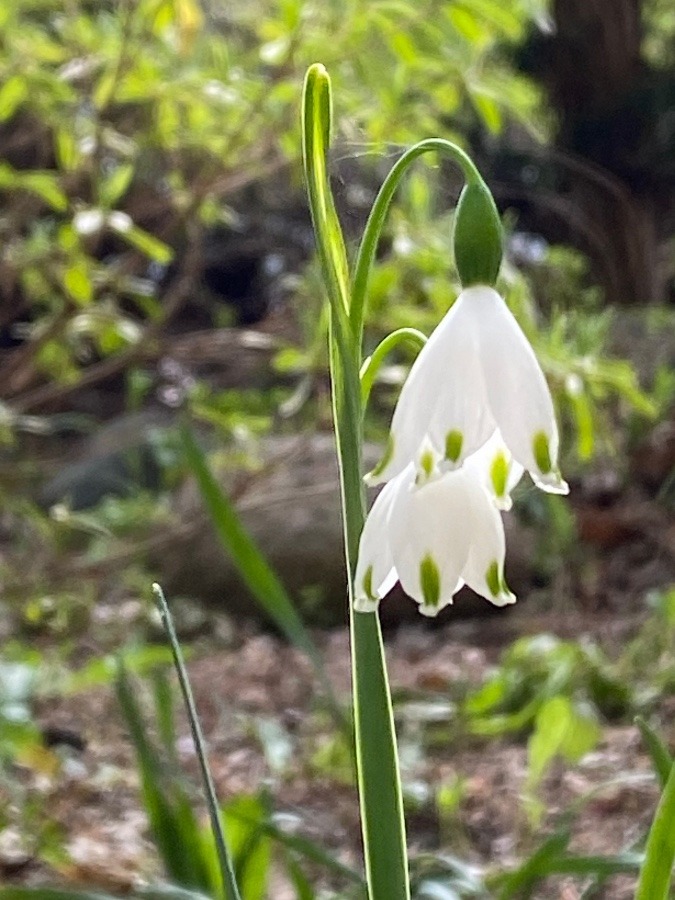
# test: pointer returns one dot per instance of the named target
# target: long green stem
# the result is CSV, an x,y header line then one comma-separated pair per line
x,y
373,229
378,775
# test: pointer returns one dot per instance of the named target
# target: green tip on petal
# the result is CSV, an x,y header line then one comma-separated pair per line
x,y
499,589
427,463
499,473
368,584
493,579
542,453
453,445
430,579
384,462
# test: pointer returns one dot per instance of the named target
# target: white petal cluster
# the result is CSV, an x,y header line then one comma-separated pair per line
x,y
474,413
434,538
476,377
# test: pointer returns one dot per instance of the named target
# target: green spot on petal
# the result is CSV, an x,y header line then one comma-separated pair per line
x,y
368,584
493,579
499,473
386,458
430,579
542,453
453,445
427,462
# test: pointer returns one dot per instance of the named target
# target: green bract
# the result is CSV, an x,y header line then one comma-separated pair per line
x,y
477,236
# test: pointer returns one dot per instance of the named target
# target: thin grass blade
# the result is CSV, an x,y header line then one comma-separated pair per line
x,y
657,869
661,759
172,821
259,577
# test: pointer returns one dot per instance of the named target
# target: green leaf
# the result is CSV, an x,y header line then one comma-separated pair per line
x,y
303,889
520,882
44,184
662,761
551,725
583,416
102,670
656,872
12,94
253,567
488,109
149,245
78,284
67,152
251,846
216,855
174,826
560,729
115,185
552,858
467,25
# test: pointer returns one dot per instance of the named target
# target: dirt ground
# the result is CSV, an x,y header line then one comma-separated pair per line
x,y
93,794
266,727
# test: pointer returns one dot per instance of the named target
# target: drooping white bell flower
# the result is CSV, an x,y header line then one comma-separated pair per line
x,y
434,534
476,380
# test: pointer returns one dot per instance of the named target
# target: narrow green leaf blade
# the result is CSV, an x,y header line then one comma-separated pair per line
x,y
662,761
173,824
253,567
656,872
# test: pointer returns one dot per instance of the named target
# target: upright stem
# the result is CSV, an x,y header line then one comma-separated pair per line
x,y
376,754
378,775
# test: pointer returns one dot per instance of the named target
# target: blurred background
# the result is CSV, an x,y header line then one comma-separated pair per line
x,y
157,267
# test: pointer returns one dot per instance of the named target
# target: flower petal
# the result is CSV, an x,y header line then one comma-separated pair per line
x,y
516,389
375,574
443,397
428,537
496,469
484,569
461,421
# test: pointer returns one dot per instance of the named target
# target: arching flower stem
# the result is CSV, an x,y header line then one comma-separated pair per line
x,y
378,214
371,366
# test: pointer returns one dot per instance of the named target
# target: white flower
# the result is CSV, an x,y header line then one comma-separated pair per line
x,y
434,537
476,384
496,469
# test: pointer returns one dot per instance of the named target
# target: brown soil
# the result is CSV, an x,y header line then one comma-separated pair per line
x,y
93,794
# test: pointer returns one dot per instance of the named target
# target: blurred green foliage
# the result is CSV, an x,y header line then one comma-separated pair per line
x,y
558,695
129,129
131,133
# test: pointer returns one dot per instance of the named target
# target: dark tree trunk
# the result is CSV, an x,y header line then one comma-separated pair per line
x,y
607,101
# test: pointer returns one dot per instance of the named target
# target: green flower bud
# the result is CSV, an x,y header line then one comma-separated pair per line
x,y
477,236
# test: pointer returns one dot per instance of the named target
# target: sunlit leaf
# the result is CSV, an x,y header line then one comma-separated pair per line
x,y
114,186
12,94
77,281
